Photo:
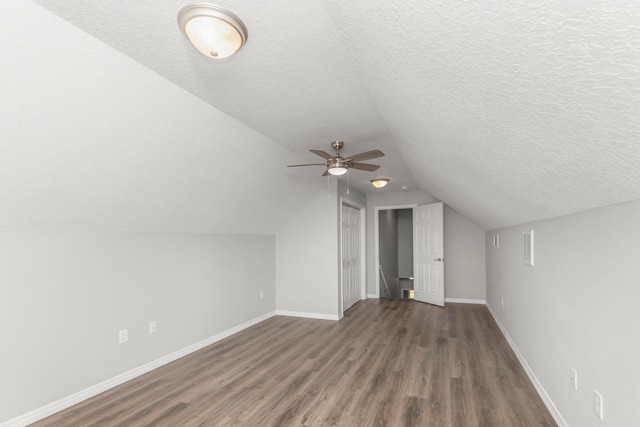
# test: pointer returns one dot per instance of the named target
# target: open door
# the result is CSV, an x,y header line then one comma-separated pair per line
x,y
428,253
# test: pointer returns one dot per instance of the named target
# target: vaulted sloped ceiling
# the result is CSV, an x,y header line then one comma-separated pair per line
x,y
507,111
91,139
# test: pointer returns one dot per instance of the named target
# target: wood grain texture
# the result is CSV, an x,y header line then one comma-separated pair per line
x,y
387,363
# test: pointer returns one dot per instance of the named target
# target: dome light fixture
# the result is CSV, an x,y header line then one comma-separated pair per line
x,y
213,31
337,171
337,166
380,182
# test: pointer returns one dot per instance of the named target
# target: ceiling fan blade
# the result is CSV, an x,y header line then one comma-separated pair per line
x,y
307,164
365,166
322,154
368,155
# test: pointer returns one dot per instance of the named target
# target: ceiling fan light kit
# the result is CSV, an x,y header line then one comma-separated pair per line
x,y
379,183
212,30
337,168
338,165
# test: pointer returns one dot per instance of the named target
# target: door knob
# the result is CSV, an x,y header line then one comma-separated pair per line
x,y
439,259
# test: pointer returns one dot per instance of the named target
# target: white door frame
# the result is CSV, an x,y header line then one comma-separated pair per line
x,y
376,234
363,251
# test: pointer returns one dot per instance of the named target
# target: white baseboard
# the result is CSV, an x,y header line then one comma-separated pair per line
x,y
454,300
321,316
66,402
465,301
536,383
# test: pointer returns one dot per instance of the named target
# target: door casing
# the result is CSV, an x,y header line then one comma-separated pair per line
x,y
376,234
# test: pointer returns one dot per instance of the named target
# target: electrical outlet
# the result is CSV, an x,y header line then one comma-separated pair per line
x,y
123,336
261,294
573,377
598,404
152,327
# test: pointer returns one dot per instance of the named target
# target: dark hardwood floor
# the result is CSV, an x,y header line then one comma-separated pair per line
x,y
387,363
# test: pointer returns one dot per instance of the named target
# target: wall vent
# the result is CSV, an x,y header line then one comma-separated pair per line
x,y
528,247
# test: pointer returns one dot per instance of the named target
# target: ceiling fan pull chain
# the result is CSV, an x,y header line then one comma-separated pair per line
x,y
347,180
328,186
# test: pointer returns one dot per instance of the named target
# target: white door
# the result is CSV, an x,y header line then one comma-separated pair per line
x,y
428,253
350,256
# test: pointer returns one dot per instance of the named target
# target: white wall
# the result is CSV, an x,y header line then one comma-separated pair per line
x,y
463,246
308,253
307,257
91,139
464,266
353,195
66,294
576,308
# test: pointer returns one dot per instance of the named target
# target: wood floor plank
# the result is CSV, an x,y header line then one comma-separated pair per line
x,y
386,363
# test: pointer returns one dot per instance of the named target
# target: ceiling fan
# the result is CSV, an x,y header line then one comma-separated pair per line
x,y
338,165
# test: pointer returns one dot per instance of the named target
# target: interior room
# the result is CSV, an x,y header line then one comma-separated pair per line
x,y
162,199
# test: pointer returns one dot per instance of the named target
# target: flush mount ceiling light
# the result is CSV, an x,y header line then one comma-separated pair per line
x,y
379,183
213,31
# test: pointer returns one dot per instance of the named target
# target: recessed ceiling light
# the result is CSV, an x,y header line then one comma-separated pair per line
x,y
379,183
213,31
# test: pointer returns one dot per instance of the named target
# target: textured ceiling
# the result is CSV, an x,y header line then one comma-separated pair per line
x,y
294,81
507,111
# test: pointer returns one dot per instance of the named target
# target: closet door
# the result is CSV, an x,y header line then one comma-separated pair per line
x,y
350,256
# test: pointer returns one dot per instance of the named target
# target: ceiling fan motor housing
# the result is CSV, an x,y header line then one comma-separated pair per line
x,y
338,162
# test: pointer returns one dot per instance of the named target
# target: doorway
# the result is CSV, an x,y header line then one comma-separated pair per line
x,y
425,277
395,233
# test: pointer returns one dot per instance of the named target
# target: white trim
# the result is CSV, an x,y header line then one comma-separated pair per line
x,y
321,316
536,383
66,402
363,252
340,231
373,296
376,239
466,301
